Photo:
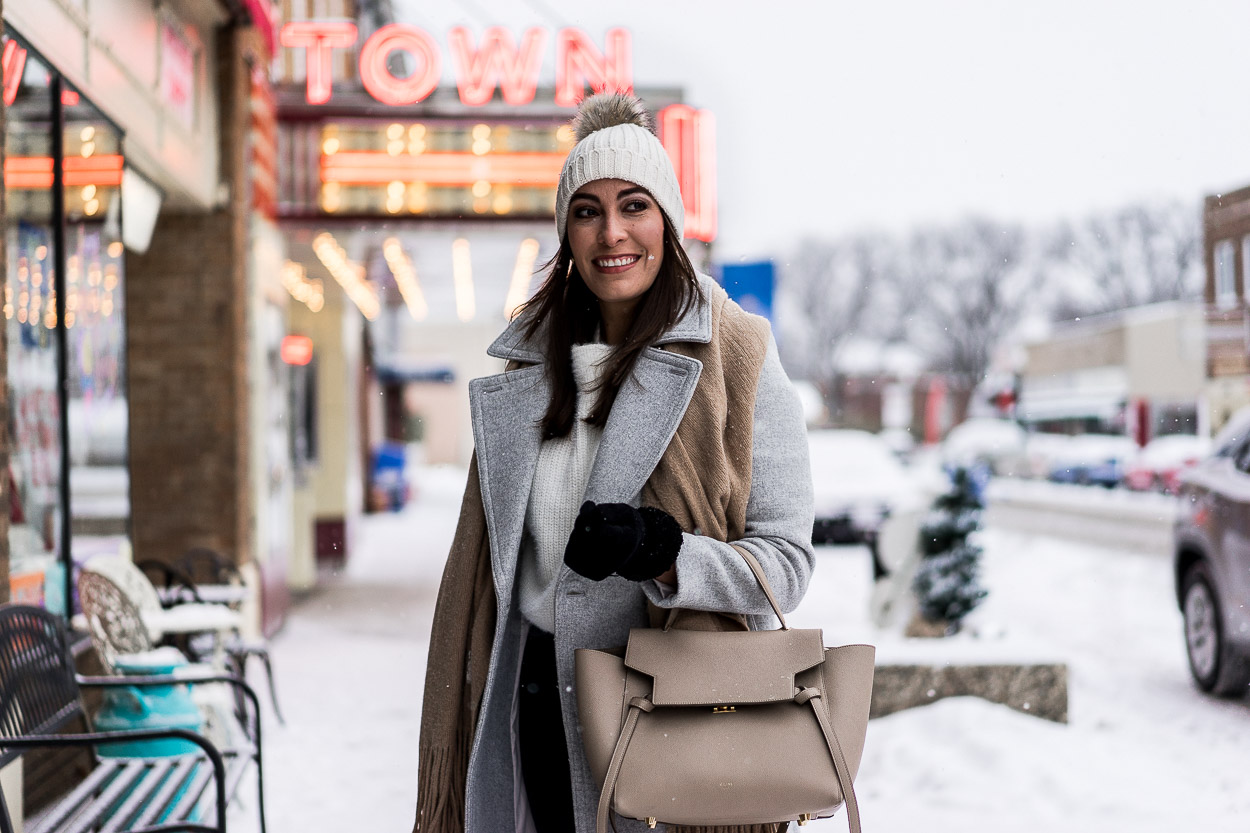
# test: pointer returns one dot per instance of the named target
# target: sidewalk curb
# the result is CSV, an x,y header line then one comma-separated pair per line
x,y
1040,690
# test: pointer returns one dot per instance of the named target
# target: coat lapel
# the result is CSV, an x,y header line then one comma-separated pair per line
x,y
645,415
507,410
650,406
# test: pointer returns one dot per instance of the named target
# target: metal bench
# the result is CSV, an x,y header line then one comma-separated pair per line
x,y
40,696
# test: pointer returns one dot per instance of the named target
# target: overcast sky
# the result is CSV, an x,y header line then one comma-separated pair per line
x,y
836,116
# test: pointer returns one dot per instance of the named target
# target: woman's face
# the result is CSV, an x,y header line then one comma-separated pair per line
x,y
616,233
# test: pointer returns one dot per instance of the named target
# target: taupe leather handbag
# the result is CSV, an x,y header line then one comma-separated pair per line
x,y
725,727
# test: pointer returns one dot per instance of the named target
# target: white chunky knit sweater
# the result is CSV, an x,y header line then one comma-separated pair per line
x,y
556,495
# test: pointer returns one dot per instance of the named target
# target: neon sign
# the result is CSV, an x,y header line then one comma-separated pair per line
x,y
296,350
377,77
497,62
104,171
689,136
319,38
14,62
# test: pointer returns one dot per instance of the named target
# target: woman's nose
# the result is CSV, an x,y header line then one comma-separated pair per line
x,y
612,231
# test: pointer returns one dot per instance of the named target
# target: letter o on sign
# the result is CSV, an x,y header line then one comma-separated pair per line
x,y
379,81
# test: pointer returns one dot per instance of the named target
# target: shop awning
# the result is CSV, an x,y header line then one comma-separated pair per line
x,y
1039,407
396,373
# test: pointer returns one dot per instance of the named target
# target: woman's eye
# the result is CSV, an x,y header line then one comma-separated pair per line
x,y
636,206
583,211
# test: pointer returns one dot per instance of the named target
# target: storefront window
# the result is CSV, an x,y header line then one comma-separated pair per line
x,y
66,361
36,504
95,332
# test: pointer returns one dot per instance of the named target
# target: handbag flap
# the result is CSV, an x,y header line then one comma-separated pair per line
x,y
694,668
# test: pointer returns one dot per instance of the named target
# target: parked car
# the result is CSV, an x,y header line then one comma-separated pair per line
x,y
1212,562
1093,459
857,482
1158,466
1041,450
986,441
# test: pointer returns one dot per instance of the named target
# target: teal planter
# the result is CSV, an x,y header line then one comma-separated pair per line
x,y
151,707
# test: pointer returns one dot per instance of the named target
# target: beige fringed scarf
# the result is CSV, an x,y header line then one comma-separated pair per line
x,y
703,480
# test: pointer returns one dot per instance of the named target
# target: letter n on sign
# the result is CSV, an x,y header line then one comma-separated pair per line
x,y
689,136
578,63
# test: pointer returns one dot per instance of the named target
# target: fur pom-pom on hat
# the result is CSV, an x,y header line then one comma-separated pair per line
x,y
616,140
608,109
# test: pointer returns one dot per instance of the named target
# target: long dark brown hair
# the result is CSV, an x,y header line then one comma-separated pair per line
x,y
570,312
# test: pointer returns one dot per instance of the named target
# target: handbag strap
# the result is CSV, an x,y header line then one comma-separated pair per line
x,y
811,695
638,705
758,572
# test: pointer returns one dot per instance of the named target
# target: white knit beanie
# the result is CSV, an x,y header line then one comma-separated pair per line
x,y
616,142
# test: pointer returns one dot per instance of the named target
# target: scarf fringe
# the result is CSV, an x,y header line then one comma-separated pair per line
x,y
440,789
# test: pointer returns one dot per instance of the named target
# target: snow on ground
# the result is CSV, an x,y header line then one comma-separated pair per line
x,y
350,669
1144,751
1124,503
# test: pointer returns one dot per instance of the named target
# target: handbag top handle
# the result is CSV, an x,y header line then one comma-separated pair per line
x,y
758,572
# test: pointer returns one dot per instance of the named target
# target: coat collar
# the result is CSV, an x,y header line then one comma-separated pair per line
x,y
694,326
507,410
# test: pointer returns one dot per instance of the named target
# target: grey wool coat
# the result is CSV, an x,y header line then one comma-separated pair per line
x,y
506,411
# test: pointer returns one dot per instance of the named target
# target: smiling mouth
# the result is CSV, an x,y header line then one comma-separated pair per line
x,y
616,262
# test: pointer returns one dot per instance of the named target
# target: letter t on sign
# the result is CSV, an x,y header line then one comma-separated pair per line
x,y
319,38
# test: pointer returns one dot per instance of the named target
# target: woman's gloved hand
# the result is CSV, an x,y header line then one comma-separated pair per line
x,y
637,544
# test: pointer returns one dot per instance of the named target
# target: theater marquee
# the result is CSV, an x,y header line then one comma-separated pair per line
x,y
463,165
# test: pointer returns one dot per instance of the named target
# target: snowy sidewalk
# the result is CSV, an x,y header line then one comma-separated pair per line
x,y
350,666
1144,752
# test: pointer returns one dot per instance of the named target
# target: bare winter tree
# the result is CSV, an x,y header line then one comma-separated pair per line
x,y
1140,254
957,292
975,281
826,292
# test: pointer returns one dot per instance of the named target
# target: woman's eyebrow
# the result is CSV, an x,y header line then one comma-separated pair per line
x,y
629,192
588,197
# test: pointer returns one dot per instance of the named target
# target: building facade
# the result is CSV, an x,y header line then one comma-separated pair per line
x,y
1226,256
1138,371
118,114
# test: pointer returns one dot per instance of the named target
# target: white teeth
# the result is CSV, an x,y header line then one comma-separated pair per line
x,y
608,263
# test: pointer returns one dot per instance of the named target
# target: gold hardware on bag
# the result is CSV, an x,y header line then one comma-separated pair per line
x,y
804,819
723,709
650,821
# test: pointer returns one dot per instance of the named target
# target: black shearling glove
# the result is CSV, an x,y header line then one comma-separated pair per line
x,y
636,544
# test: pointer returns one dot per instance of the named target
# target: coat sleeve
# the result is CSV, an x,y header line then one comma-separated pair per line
x,y
711,575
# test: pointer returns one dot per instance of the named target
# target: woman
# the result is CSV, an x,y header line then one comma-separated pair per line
x,y
643,422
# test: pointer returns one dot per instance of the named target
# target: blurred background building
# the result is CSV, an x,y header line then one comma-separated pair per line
x,y
1226,256
126,202
255,254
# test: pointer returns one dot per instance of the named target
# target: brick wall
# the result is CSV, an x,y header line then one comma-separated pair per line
x,y
187,343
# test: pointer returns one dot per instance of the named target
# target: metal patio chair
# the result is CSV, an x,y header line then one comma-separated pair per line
x,y
191,580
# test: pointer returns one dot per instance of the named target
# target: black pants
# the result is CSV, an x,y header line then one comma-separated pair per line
x,y
544,754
